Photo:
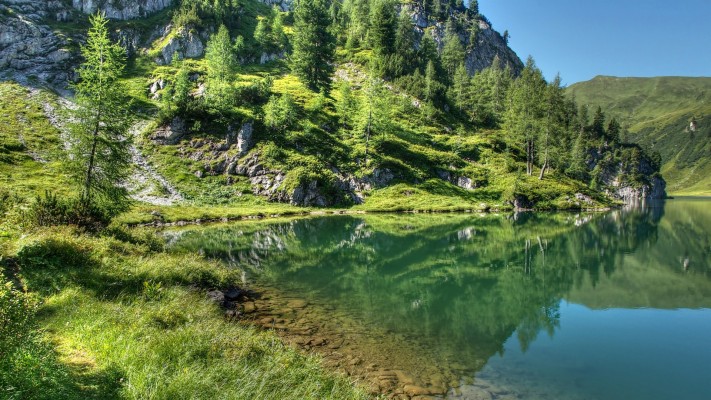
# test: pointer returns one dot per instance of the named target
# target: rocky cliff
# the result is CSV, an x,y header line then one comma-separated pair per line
x,y
30,50
488,43
122,9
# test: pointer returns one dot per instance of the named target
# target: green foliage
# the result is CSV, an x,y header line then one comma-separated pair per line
x,y
219,93
314,45
452,53
99,156
280,113
269,33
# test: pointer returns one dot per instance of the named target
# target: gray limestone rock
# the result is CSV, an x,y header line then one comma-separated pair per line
x,y
122,9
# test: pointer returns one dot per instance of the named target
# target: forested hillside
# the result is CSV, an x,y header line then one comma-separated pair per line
x,y
376,104
668,115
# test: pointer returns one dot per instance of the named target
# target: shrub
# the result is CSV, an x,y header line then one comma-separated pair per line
x,y
51,210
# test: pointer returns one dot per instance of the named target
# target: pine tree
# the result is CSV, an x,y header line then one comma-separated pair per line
x,y
431,83
553,124
99,158
597,129
314,45
280,112
347,104
474,7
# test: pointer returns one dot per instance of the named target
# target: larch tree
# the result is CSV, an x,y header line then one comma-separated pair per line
x,y
99,155
220,65
314,45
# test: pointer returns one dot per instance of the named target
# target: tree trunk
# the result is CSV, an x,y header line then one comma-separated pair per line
x,y
543,169
86,200
367,135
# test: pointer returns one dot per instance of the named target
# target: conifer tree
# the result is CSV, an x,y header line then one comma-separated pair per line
x,y
404,45
554,109
382,27
597,129
525,112
427,51
99,157
314,45
220,66
452,53
431,82
613,131
347,105
181,93
460,88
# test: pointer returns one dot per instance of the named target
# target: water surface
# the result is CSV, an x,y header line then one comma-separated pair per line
x,y
568,306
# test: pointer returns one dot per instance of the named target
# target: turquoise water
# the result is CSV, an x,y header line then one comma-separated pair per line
x,y
532,306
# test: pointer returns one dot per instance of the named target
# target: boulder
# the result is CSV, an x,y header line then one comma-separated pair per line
x,y
171,133
185,43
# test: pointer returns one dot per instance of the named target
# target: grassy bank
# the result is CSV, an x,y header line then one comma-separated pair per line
x,y
115,317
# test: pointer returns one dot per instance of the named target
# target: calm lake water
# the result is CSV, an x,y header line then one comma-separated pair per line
x,y
610,305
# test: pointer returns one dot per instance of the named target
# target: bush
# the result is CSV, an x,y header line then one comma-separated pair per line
x,y
51,210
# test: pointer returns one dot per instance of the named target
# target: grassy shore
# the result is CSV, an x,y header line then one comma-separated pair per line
x,y
115,317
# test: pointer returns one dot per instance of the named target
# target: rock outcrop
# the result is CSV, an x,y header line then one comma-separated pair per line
x,y
489,45
29,50
122,9
184,43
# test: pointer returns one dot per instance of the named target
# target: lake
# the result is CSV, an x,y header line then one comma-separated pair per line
x,y
613,305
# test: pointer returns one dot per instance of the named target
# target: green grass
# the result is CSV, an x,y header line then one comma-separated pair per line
x,y
657,112
30,148
129,321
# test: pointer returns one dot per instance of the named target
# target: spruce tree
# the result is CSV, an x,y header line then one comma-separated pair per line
x,y
382,28
99,157
314,45
427,51
404,44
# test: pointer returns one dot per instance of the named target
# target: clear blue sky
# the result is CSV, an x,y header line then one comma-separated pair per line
x,y
584,38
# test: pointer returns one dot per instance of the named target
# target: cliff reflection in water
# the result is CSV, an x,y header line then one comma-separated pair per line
x,y
463,284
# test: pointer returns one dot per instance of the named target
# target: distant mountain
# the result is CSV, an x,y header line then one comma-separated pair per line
x,y
671,115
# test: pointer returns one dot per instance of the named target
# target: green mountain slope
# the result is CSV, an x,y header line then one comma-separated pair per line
x,y
657,113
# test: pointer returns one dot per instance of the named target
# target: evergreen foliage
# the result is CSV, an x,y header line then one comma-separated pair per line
x,y
314,45
99,158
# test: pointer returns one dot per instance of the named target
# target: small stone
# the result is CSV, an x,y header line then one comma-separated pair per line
x,y
216,296
414,390
232,293
249,307
296,304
